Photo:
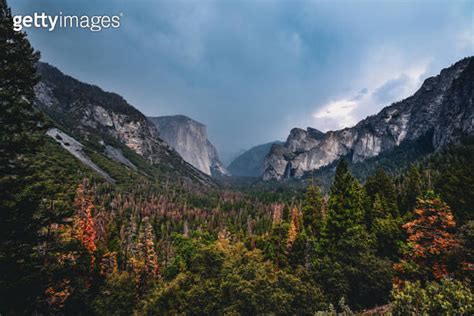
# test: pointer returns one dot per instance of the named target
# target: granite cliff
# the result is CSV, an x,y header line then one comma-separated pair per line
x,y
189,138
442,109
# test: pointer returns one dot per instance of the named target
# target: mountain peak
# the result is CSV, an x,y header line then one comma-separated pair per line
x,y
189,138
442,109
177,118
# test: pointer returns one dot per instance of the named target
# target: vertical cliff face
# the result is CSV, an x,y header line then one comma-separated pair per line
x,y
189,139
456,119
105,119
442,106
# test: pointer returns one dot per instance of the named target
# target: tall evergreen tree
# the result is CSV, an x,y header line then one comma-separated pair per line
x,y
348,247
411,189
382,184
386,229
18,77
345,207
19,272
313,217
313,211
382,216
297,240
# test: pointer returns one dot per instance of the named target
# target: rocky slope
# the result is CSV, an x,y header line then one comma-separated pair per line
x,y
189,139
251,162
76,149
105,121
442,109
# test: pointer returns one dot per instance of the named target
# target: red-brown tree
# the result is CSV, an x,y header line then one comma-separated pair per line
x,y
430,241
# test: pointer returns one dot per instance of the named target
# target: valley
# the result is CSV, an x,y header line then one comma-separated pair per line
x,y
106,210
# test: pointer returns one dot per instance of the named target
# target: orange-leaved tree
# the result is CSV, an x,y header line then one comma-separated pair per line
x,y
83,224
148,249
430,241
294,227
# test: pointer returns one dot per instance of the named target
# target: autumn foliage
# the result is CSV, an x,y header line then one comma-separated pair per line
x,y
294,227
108,264
83,224
57,295
148,250
430,240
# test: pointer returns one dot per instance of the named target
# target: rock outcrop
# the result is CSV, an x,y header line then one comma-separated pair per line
x,y
189,138
76,149
442,106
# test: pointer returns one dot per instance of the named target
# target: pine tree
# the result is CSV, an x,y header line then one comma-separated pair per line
x,y
313,216
465,252
411,189
346,244
381,184
386,229
345,209
20,271
313,211
275,246
18,119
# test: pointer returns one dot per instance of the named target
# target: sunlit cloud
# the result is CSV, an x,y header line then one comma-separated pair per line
x,y
382,88
336,114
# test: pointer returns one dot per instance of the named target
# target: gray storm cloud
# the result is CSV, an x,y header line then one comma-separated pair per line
x,y
252,70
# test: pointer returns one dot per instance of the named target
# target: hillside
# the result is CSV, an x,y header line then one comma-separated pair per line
x,y
106,123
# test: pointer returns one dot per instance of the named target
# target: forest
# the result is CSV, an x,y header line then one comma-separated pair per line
x,y
400,242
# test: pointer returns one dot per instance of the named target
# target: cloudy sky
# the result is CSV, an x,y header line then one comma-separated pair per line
x,y
252,70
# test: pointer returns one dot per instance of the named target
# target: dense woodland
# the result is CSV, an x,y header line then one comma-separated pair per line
x,y
71,243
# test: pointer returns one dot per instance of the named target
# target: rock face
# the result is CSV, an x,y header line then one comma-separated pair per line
x,y
77,150
189,139
443,106
251,162
106,120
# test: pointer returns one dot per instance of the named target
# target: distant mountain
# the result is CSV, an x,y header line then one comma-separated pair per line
x,y
439,113
189,138
251,162
105,122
